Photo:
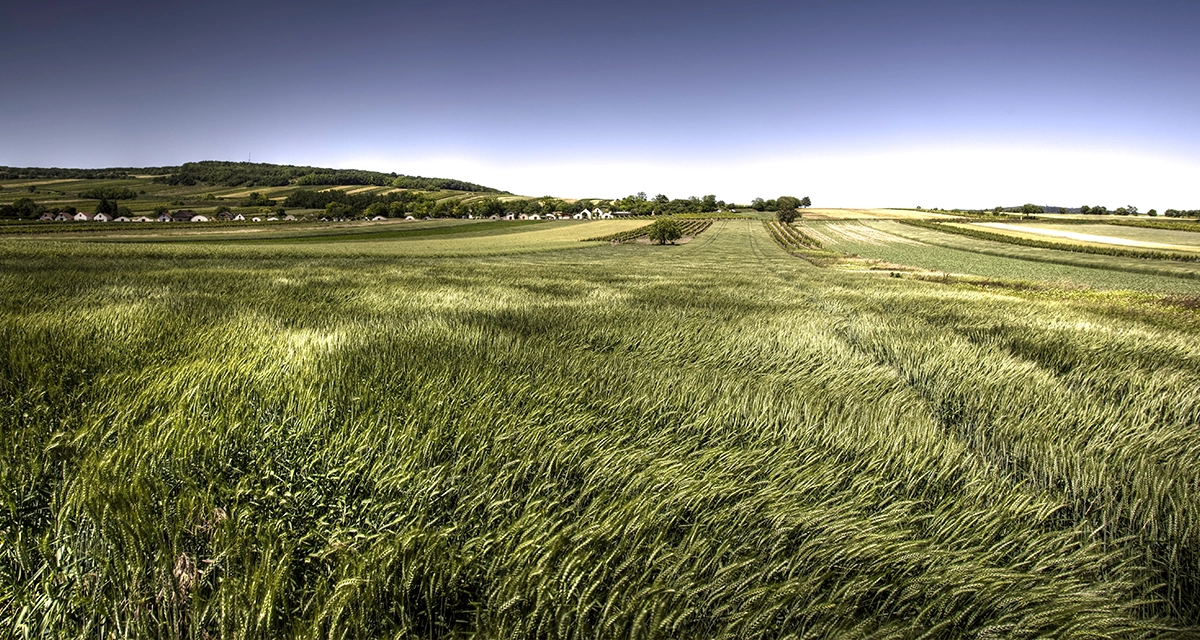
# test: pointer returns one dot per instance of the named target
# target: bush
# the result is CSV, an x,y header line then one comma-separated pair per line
x,y
665,230
786,215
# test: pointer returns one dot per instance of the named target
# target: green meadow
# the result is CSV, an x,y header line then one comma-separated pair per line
x,y
460,428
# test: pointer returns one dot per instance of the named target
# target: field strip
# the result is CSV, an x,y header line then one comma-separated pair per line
x,y
1086,237
38,183
861,233
812,230
266,191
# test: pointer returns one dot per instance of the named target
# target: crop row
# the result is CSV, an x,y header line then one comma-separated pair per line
x,y
691,227
790,237
1044,244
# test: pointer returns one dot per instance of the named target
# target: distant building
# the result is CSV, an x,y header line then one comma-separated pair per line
x,y
199,218
184,215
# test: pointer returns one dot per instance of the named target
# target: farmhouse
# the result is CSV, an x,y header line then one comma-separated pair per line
x,y
63,216
238,218
121,219
142,219
82,217
375,219
199,218
183,215
164,217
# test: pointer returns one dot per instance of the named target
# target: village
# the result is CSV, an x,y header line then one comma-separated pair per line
x,y
187,215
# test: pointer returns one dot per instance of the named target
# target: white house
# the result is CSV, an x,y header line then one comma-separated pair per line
x,y
199,218
82,217
603,214
256,219
409,218
375,219
239,217
142,219
120,219
289,217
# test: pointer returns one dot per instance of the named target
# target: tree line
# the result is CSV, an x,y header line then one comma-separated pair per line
x,y
55,173
781,203
250,174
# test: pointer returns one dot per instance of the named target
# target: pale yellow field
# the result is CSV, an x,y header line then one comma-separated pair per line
x,y
37,183
834,233
266,191
1041,233
871,214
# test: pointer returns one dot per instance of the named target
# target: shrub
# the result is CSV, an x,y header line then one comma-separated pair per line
x,y
665,230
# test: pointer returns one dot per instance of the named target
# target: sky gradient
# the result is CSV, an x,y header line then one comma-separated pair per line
x,y
853,103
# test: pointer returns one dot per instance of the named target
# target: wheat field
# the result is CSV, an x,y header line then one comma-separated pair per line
x,y
528,436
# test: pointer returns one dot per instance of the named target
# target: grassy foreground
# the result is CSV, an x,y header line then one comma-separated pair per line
x,y
548,438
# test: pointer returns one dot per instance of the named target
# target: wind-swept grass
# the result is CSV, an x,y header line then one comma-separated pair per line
x,y
711,440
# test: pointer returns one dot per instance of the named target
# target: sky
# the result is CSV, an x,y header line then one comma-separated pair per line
x,y
853,103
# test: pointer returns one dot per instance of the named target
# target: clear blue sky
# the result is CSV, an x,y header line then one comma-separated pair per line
x,y
854,103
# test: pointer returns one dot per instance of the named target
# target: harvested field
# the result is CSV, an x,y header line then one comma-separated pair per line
x,y
1104,234
872,214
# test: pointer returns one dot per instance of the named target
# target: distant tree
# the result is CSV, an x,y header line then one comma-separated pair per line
x,y
1152,212
708,204
1121,211
1100,211
377,209
338,210
758,204
224,208
786,216
661,199
106,207
1132,210
123,210
21,208
160,209
1028,210
665,230
1085,209
805,202
257,199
